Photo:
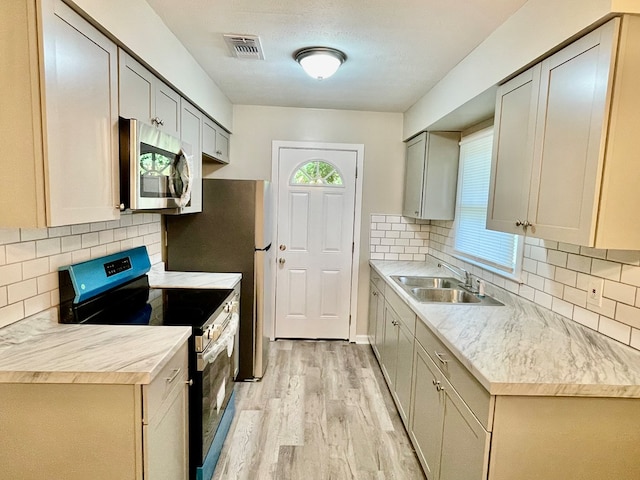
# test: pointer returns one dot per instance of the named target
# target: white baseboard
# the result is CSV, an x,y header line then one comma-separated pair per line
x,y
362,339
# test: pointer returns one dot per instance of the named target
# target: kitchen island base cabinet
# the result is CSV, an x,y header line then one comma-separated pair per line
x,y
97,431
565,438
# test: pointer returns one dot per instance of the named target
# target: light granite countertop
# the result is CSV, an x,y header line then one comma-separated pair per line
x,y
40,350
521,348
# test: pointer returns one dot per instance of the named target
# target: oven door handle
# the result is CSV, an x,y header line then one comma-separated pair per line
x,y
220,345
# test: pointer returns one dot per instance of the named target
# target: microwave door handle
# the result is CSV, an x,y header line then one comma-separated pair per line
x,y
184,198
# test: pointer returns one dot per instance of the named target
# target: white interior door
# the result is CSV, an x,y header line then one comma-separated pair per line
x,y
316,204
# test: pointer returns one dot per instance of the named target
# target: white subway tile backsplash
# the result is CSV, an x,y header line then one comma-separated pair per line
x,y
635,338
579,263
82,228
35,268
569,248
566,277
11,313
606,269
543,299
586,318
3,256
593,252
48,247
9,235
105,236
71,243
21,290
545,270
57,261
619,292
563,308
97,226
630,275
616,330
59,231
631,257
539,253
553,288
90,239
37,304
3,296
378,218
10,274
628,315
607,308
28,234
557,258
575,296
20,252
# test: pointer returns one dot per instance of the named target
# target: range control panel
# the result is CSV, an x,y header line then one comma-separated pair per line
x,y
117,266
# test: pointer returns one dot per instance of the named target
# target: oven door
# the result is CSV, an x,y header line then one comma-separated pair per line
x,y
215,372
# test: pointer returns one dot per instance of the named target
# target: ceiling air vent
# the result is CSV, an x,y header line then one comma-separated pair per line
x,y
244,46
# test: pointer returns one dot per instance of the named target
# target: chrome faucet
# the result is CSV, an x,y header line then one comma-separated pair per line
x,y
457,272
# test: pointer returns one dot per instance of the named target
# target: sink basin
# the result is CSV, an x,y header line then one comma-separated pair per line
x,y
443,295
440,290
427,282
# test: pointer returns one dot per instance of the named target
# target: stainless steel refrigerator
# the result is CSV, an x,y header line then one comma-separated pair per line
x,y
232,234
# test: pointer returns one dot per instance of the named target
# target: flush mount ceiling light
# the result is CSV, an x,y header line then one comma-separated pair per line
x,y
320,62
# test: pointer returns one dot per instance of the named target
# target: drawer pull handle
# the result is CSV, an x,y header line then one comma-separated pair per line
x,y
440,356
175,374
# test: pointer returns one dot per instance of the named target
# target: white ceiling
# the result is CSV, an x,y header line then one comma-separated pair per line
x,y
397,49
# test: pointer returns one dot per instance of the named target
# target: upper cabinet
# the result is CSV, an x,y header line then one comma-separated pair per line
x,y
59,117
145,97
431,175
565,149
191,135
215,141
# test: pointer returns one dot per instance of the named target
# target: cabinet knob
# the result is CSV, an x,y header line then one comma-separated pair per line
x,y
218,152
417,212
281,261
157,121
120,207
519,223
527,224
375,294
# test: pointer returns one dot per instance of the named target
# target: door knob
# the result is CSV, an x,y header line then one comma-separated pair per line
x,y
282,248
281,261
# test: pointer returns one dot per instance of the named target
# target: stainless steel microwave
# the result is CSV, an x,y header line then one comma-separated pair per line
x,y
155,168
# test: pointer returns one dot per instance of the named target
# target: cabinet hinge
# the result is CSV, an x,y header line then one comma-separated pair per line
x,y
166,238
353,247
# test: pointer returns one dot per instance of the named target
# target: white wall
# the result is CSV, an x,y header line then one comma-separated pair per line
x,y
255,127
136,25
538,27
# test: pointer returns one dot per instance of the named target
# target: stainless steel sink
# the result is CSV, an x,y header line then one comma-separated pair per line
x,y
443,295
427,282
441,290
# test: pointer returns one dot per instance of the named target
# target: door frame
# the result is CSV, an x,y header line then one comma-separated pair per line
x,y
358,148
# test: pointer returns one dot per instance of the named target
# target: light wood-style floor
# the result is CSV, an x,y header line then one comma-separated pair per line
x,y
321,412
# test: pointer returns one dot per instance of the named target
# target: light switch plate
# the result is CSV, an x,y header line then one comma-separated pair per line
x,y
594,292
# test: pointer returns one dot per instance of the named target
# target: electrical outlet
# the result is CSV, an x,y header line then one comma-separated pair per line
x,y
594,292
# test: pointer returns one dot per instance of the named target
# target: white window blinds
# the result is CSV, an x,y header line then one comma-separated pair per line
x,y
472,240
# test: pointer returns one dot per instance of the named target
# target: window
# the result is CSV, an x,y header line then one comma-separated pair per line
x,y
317,172
496,251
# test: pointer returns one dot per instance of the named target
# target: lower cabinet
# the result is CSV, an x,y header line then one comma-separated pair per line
x,y
98,431
397,351
450,442
375,327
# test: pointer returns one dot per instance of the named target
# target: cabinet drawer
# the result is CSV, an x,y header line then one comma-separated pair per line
x,y
405,314
377,280
172,376
474,394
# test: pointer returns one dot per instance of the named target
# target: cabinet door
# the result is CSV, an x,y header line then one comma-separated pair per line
x,y
373,314
427,408
404,369
222,146
136,89
570,133
512,156
465,443
81,119
166,454
191,135
440,176
167,108
379,340
209,131
414,174
389,351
